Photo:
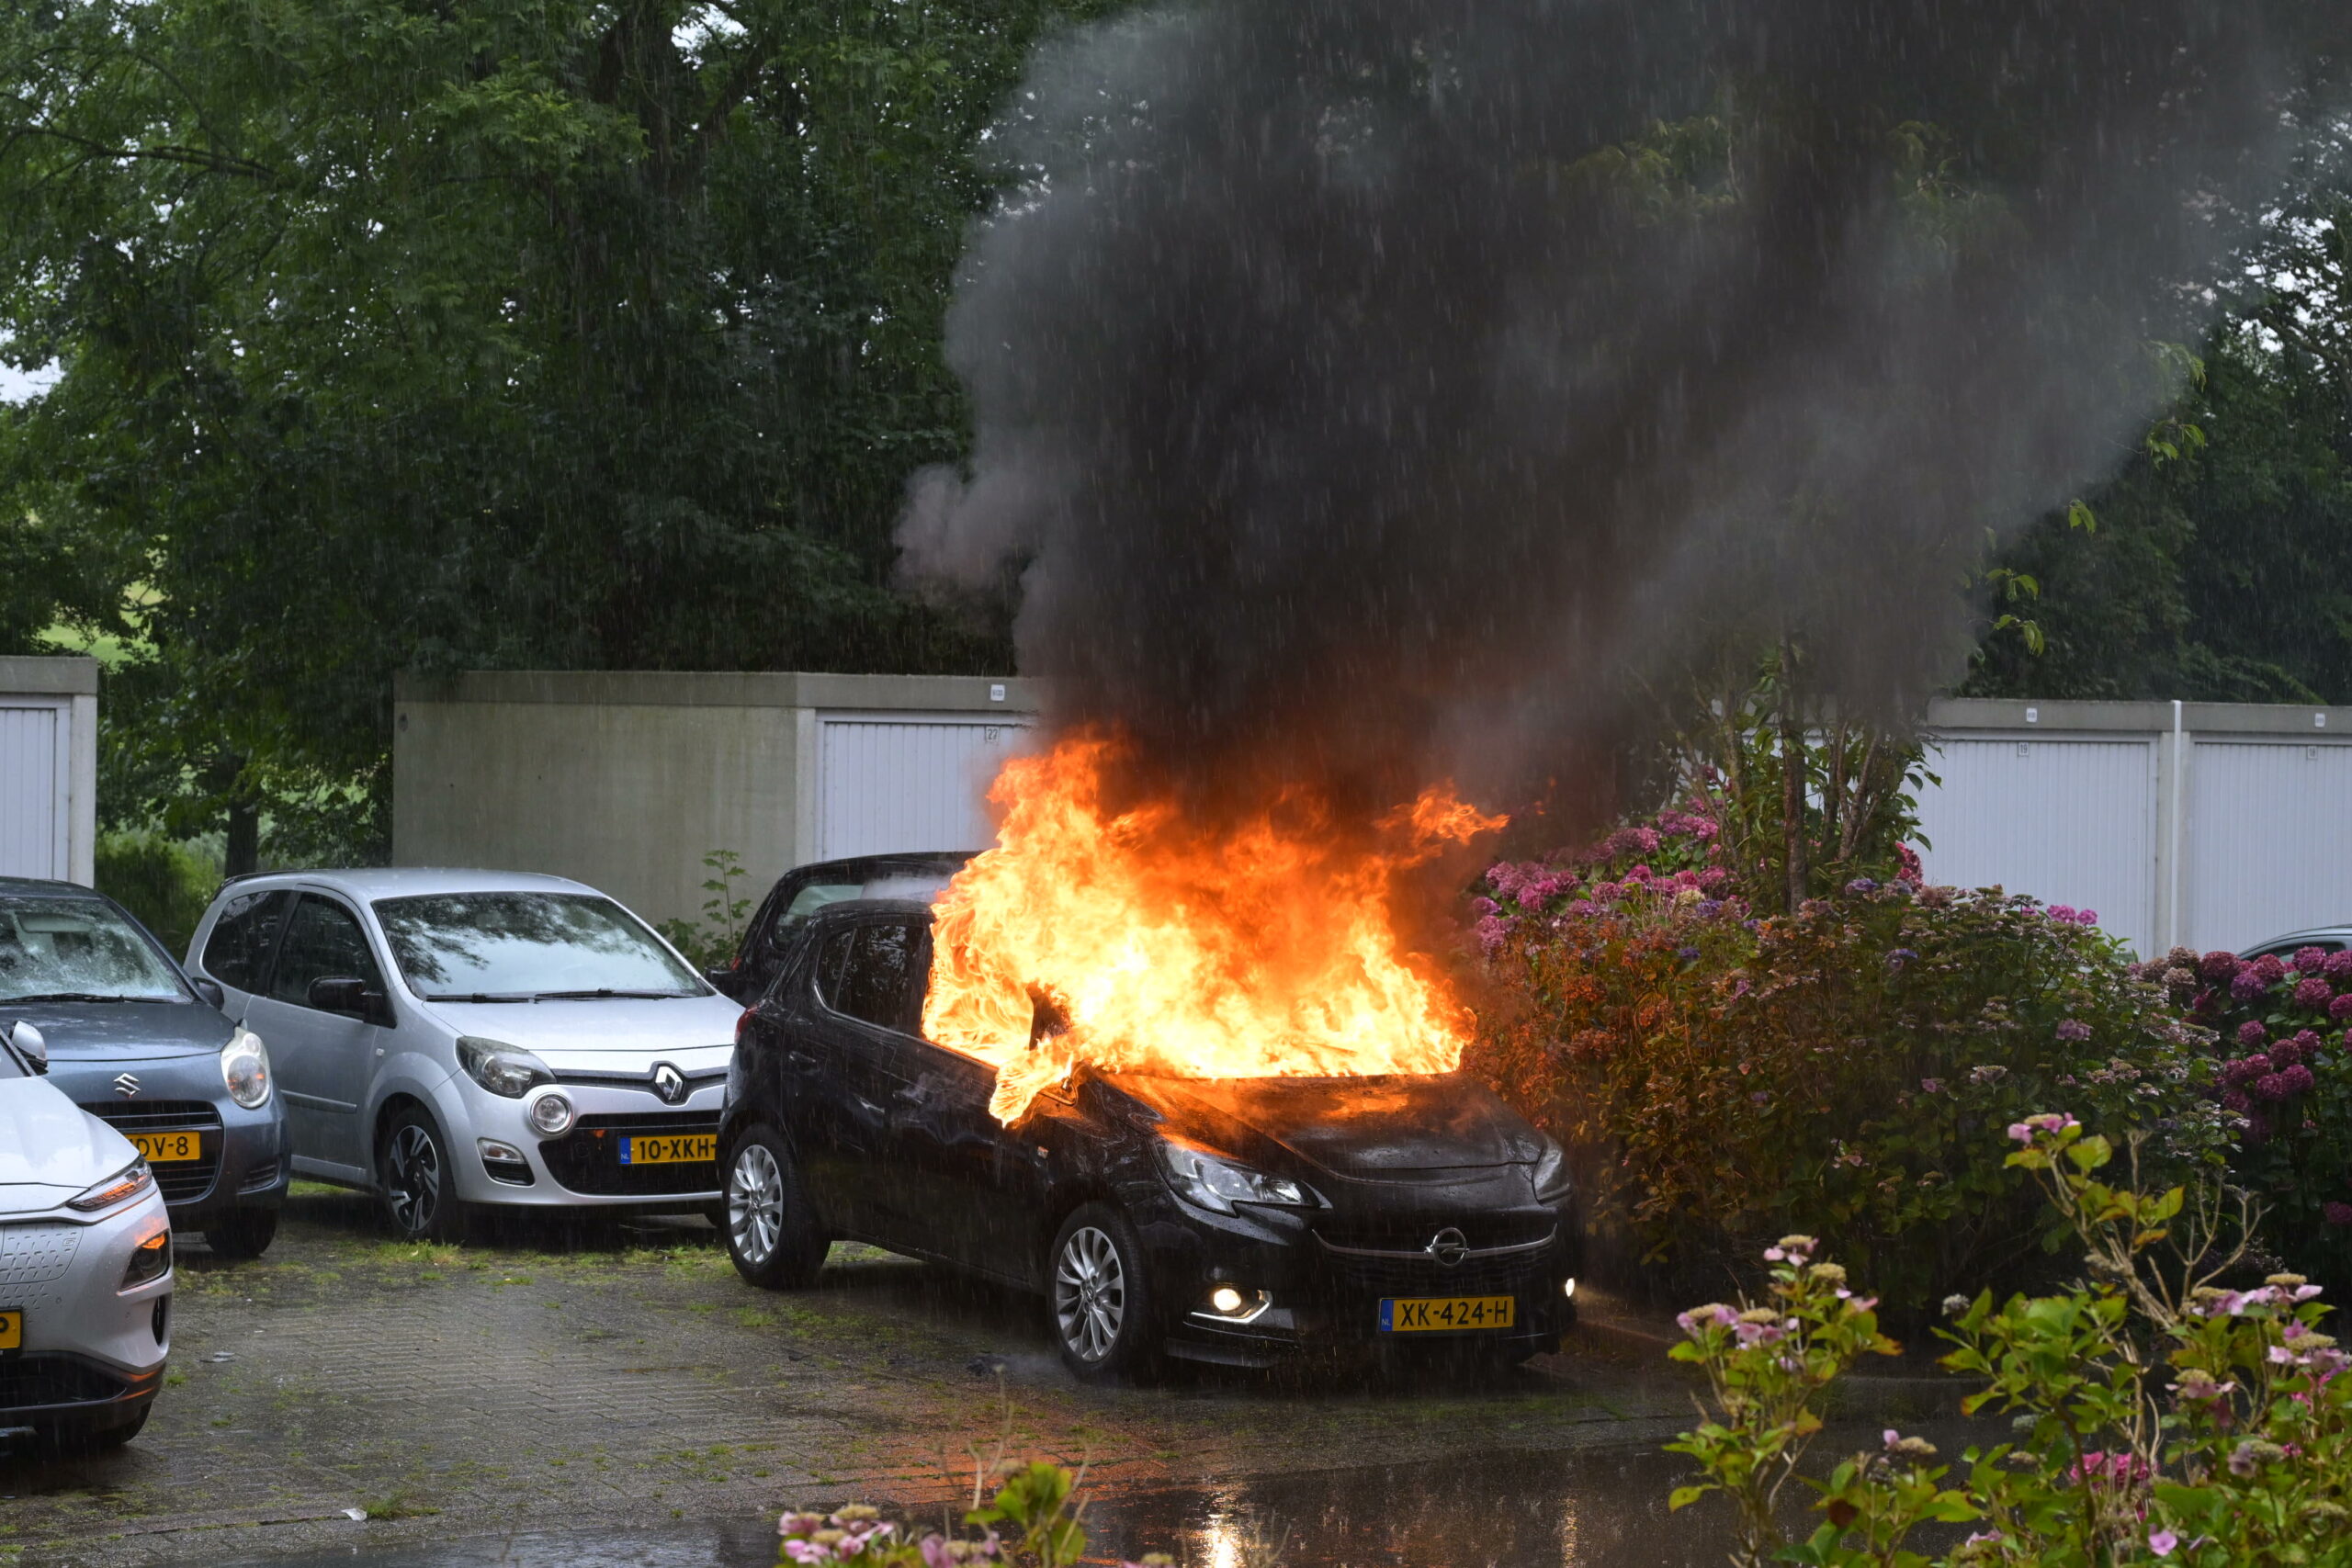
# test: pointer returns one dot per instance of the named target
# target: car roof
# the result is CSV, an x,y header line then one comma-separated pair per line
x,y
849,909
409,880
32,886
860,868
2316,933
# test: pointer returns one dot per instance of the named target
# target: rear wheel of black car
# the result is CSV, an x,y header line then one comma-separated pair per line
x,y
246,1232
771,1230
418,1180
1101,1296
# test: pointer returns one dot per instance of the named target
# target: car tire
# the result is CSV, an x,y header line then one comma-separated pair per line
x,y
770,1228
1099,1300
416,1180
245,1233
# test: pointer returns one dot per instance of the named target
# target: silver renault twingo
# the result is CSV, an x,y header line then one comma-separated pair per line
x,y
452,1040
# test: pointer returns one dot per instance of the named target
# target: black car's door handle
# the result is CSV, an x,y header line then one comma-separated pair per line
x,y
800,1058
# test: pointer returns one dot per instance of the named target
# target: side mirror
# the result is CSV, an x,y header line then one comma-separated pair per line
x,y
338,993
210,989
30,1045
725,981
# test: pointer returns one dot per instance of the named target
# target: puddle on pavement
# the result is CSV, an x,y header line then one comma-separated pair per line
x,y
1499,1510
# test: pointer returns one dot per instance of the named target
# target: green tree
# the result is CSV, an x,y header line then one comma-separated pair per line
x,y
515,333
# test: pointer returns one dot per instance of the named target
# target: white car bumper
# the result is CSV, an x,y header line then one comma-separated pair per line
x,y
93,1351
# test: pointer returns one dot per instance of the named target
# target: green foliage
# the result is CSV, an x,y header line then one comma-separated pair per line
x,y
2160,1415
528,332
1722,1079
712,942
166,883
1031,1522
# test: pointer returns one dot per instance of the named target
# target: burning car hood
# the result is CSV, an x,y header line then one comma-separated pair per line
x,y
1367,1128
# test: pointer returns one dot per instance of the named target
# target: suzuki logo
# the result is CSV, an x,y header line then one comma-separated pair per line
x,y
669,1083
1449,1247
125,1086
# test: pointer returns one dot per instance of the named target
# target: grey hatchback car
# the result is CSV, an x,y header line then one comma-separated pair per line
x,y
136,1042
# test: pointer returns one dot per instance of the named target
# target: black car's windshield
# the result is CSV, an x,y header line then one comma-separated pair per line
x,y
77,950
528,947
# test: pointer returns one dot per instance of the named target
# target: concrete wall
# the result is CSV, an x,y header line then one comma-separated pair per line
x,y
49,768
626,780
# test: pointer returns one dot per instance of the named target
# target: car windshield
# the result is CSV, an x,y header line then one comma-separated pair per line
x,y
527,946
78,950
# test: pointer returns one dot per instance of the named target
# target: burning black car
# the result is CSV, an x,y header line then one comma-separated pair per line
x,y
1237,1221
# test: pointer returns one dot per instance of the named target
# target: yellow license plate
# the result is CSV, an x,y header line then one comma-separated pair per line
x,y
167,1148
12,1331
690,1149
1446,1314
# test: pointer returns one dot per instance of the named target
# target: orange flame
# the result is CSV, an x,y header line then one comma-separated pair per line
x,y
1256,952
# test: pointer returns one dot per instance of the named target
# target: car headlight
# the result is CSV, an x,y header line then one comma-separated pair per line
x,y
244,1067
150,1260
1551,1174
1216,1184
124,1184
550,1112
502,1069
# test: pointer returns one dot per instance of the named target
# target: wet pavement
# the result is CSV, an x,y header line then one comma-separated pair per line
x,y
617,1390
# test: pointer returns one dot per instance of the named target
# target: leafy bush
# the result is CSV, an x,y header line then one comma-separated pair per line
x,y
2282,1078
1031,1522
1723,1078
166,885
2161,1417
712,942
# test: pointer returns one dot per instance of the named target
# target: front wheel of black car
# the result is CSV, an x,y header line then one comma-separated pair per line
x,y
1101,1297
771,1231
417,1180
246,1232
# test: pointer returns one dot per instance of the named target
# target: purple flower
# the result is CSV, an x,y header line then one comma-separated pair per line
x,y
2251,1033
2313,993
2339,965
2272,1086
2297,1080
2309,960
2340,1008
2161,1542
2087,917
1860,885
1491,931
1707,908
1686,954
2050,1121
2337,1213
1899,957
2236,1099
2063,912
2271,967
1761,1097
1931,1085
2074,1029
2248,985
2217,965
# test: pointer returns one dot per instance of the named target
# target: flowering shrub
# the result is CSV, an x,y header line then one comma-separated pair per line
x,y
2282,1074
1031,1522
2160,1415
1724,1078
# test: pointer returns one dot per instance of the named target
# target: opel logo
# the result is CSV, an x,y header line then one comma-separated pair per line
x,y
1449,1247
669,1083
125,1086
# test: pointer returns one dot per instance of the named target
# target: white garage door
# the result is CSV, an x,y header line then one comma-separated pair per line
x,y
34,788
907,781
2270,836
2068,822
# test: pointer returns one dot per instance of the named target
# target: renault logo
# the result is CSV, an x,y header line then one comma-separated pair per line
x,y
669,1083
125,1086
1449,1247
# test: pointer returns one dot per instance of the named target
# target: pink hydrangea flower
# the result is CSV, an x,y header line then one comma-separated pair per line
x,y
2251,1033
2313,992
2161,1542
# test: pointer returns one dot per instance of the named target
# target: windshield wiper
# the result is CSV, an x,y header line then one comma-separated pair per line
x,y
78,997
602,991
481,997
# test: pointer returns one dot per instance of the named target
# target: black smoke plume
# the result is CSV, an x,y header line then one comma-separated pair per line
x,y
1362,399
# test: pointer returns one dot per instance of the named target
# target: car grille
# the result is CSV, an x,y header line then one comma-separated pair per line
x,y
180,1181
588,1158
29,1383
34,1254
1517,1260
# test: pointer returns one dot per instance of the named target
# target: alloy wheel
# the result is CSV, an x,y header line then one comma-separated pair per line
x,y
413,1192
1091,1292
755,1204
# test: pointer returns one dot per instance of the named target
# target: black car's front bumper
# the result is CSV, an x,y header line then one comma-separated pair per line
x,y
1323,1276
245,1159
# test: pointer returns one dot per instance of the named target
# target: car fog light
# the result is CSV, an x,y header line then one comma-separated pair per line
x,y
1225,1298
550,1113
1568,1289
151,1260
1230,1303
507,1153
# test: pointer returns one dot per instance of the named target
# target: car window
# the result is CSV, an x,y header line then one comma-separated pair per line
x,y
323,942
876,973
237,952
450,947
79,948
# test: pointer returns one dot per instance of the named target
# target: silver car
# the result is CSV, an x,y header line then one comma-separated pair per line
x,y
450,1040
85,1264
